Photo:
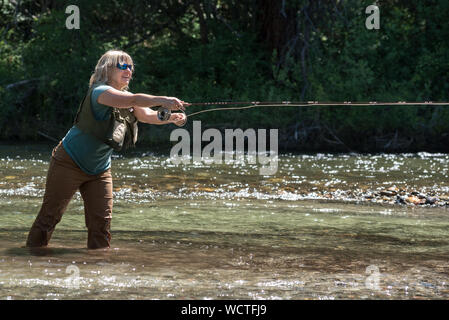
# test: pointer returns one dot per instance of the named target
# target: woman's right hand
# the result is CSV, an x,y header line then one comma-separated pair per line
x,y
175,104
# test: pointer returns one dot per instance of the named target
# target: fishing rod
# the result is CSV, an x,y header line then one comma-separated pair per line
x,y
164,113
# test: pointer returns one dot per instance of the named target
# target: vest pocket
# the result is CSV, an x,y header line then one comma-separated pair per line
x,y
116,135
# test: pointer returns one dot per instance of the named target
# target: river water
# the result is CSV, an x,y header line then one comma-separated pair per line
x,y
325,226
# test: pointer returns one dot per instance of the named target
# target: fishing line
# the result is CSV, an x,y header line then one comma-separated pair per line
x,y
164,113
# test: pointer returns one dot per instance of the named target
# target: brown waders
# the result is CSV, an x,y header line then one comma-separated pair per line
x,y
64,178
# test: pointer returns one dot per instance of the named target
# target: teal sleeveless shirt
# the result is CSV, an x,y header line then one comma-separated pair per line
x,y
90,154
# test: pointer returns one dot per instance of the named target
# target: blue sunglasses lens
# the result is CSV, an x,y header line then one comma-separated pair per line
x,y
125,66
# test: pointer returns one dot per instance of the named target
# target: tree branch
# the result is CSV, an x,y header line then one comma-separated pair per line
x,y
21,83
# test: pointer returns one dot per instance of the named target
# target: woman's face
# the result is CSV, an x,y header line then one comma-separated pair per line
x,y
121,75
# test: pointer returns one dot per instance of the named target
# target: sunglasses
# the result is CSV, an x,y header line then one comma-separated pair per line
x,y
125,66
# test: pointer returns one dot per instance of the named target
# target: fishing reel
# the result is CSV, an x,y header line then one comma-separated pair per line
x,y
163,114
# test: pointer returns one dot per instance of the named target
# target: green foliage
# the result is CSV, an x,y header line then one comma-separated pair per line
x,y
238,50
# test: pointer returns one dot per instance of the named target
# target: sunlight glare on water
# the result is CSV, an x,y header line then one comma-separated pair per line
x,y
324,226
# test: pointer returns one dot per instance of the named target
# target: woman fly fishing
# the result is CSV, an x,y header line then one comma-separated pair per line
x,y
106,121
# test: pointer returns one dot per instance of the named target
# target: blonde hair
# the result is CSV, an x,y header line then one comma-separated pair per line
x,y
106,65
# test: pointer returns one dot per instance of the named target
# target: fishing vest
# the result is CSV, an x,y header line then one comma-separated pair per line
x,y
119,131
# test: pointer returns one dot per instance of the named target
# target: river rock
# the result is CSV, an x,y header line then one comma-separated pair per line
x,y
400,200
415,200
393,189
388,193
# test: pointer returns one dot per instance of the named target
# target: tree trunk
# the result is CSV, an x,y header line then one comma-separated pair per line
x,y
203,23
